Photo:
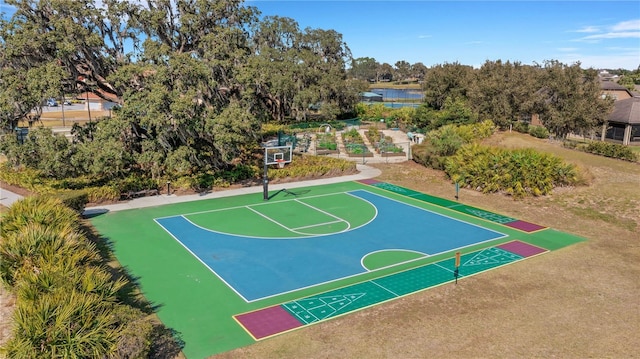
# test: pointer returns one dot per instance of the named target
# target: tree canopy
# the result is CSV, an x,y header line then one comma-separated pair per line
x,y
194,78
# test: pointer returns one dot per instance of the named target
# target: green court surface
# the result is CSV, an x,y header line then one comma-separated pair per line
x,y
211,317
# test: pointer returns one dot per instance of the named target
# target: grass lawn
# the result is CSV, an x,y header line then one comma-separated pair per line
x,y
580,301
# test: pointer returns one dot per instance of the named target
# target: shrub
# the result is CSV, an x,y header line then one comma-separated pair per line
x,y
47,211
313,166
613,150
134,183
521,127
538,132
34,246
240,172
68,304
102,193
426,155
518,172
30,179
74,199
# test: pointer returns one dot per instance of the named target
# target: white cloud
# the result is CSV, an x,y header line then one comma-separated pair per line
x,y
588,29
629,29
623,59
631,25
613,35
424,36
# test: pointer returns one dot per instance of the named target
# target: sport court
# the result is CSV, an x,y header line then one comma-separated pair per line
x,y
229,271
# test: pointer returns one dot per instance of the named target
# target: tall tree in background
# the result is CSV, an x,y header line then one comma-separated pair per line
x,y
198,80
402,70
448,80
571,99
181,89
418,71
385,72
364,68
295,71
53,47
503,92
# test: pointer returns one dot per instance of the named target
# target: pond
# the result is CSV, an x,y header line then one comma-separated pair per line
x,y
398,94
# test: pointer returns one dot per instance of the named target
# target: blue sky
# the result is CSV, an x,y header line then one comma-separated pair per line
x,y
598,34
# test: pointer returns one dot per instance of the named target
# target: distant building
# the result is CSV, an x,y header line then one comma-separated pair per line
x,y
97,103
615,91
623,124
370,97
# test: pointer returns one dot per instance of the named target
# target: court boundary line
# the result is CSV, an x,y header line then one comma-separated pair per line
x,y
345,277
451,208
200,260
434,212
383,287
266,203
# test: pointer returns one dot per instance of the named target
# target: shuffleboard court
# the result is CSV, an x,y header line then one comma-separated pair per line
x,y
291,315
228,271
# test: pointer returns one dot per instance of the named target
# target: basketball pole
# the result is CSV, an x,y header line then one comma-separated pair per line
x,y
265,180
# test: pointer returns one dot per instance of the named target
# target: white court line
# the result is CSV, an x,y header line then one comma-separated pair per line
x,y
395,294
445,268
251,205
323,224
269,219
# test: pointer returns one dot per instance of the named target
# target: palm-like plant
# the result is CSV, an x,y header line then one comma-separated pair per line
x,y
34,245
64,325
47,211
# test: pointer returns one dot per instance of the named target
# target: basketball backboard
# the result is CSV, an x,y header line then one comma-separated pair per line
x,y
276,154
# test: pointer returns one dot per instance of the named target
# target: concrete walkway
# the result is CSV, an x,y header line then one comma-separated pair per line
x,y
162,199
7,198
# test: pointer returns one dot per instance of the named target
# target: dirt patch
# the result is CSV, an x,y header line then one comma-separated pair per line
x,y
7,305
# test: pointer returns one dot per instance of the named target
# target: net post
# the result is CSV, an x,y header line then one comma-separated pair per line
x,y
456,271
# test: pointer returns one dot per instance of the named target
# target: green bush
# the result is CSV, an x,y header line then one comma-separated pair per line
x,y
74,199
538,132
47,211
521,127
240,172
426,155
134,183
313,166
518,172
102,193
613,150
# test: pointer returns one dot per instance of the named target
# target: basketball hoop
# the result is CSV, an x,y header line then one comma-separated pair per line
x,y
280,163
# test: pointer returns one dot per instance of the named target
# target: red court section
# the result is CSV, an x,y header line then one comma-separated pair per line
x,y
268,321
521,248
524,226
